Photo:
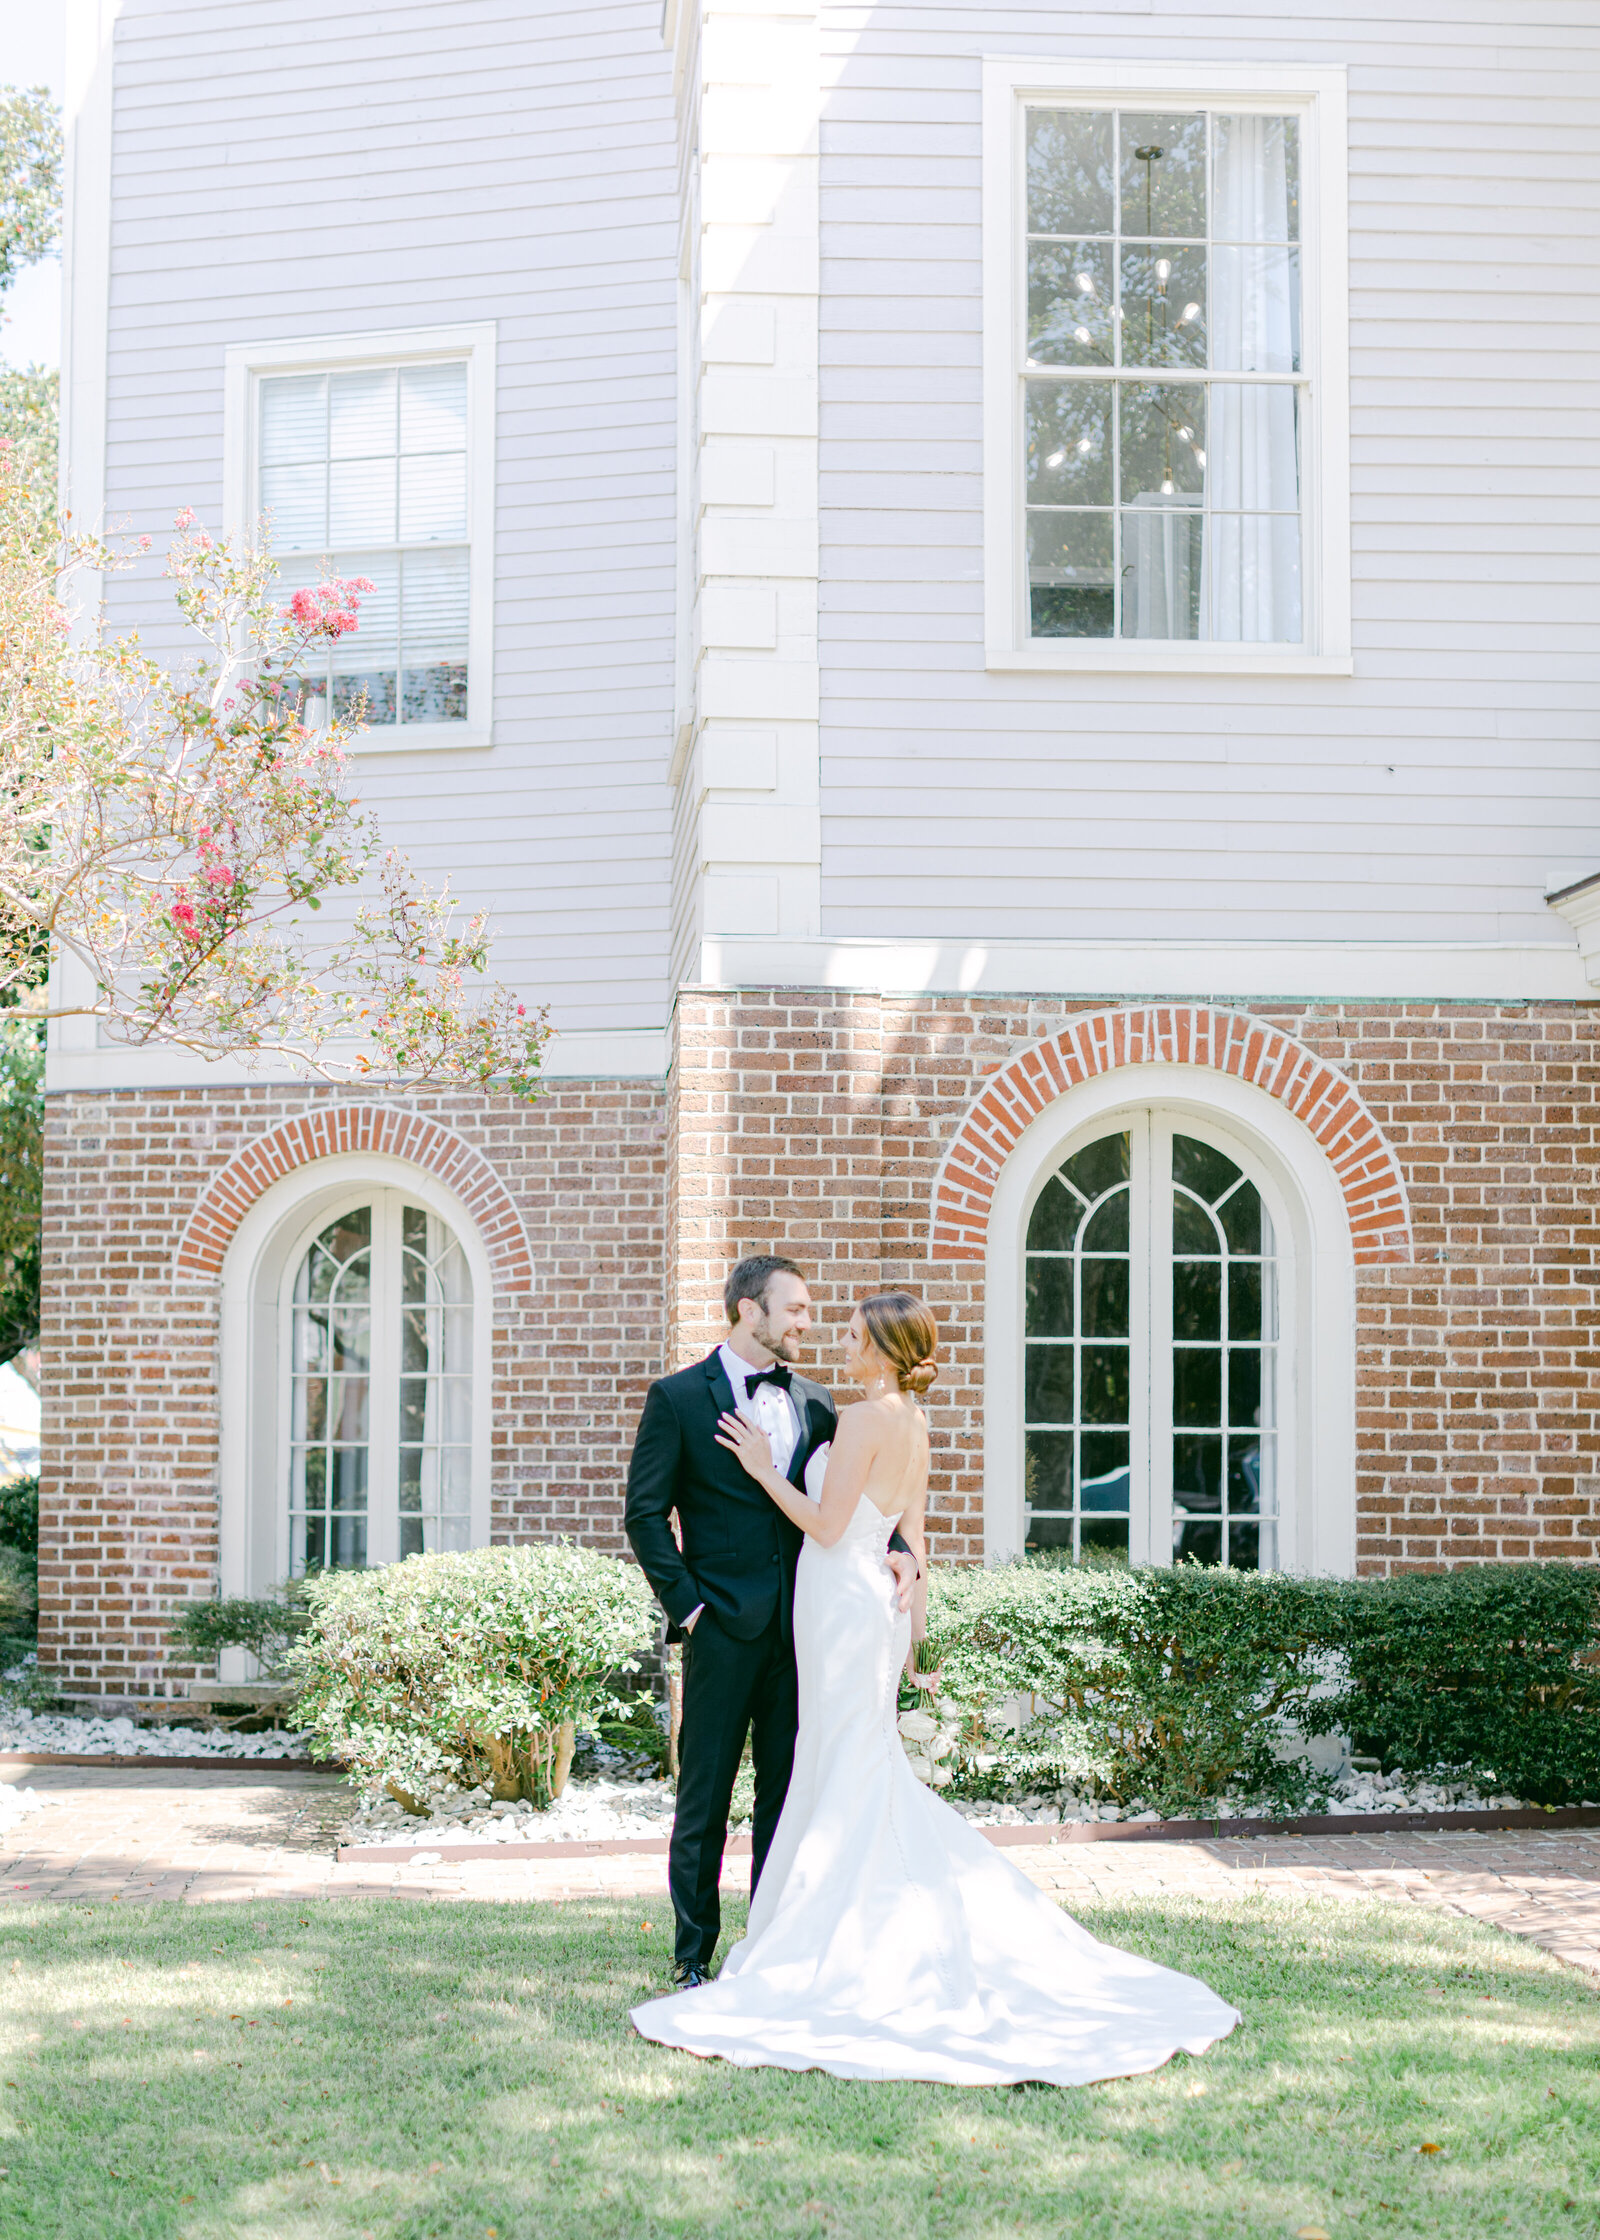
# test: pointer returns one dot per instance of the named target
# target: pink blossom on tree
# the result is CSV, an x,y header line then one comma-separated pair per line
x,y
171,840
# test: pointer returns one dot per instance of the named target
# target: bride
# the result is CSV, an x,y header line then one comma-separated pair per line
x,y
888,1938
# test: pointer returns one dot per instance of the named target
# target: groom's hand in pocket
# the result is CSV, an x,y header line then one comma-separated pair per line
x,y
904,1568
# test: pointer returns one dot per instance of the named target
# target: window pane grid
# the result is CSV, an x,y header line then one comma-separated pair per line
x,y
1174,551
435,1427
380,1319
1224,1346
1078,1357
329,1405
365,474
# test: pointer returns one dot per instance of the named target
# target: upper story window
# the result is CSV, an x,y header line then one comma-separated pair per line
x,y
368,469
373,457
1165,451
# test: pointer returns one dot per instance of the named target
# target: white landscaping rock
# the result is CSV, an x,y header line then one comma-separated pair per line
x,y
120,1738
603,1808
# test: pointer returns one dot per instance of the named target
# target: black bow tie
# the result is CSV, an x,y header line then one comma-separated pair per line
x,y
778,1374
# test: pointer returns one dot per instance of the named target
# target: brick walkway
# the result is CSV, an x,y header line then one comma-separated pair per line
x,y
134,1835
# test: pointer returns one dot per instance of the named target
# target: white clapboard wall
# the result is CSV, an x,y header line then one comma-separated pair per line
x,y
280,170
1427,797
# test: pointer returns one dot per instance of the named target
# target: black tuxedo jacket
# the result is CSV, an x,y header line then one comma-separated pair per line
x,y
739,1549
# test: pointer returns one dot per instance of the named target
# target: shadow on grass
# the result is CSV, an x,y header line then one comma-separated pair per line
x,y
278,2072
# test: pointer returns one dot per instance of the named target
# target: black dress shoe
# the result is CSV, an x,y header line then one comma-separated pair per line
x,y
688,1975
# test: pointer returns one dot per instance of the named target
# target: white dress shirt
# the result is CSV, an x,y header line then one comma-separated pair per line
x,y
769,1407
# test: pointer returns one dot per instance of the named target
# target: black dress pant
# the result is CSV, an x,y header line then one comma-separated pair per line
x,y
730,1688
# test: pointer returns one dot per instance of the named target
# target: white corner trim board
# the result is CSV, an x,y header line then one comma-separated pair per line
x,y
244,363
1317,96
1330,971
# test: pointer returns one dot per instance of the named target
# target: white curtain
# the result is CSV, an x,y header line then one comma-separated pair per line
x,y
1250,574
1161,560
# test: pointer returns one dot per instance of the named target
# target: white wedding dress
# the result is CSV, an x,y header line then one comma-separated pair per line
x,y
887,1937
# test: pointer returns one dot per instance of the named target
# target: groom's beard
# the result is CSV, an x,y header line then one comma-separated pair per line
x,y
786,1348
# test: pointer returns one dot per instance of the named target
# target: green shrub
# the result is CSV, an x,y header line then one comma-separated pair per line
x,y
16,1601
640,1730
473,1667
1166,1686
1490,1669
19,1563
19,1515
264,1626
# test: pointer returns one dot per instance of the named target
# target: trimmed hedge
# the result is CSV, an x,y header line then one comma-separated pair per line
x,y
1491,1667
1163,1686
1172,1688
472,1667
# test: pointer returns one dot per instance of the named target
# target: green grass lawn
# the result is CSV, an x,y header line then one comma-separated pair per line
x,y
408,2071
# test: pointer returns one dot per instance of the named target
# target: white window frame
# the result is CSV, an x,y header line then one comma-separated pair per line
x,y
1317,97
253,1475
245,363
1316,1391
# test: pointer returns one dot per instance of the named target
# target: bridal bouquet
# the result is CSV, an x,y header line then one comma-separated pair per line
x,y
930,1743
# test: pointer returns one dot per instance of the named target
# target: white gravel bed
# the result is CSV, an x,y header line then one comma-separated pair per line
x,y
1353,1792
120,1738
600,1808
615,1805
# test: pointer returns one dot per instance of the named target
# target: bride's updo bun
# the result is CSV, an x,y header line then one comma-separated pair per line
x,y
907,1336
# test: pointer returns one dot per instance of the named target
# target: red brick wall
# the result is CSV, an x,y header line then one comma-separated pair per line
x,y
814,1124
1477,1435
129,1493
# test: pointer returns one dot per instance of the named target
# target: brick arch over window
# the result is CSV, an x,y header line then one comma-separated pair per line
x,y
1172,1034
328,1130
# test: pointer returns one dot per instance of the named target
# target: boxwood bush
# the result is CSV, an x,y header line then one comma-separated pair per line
x,y
1166,1687
1175,1688
1492,1668
472,1667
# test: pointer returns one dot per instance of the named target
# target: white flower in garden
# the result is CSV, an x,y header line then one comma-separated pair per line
x,y
918,1726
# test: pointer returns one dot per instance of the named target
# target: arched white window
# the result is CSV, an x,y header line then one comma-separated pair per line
x,y
357,1335
1169,1332
378,1388
1151,1353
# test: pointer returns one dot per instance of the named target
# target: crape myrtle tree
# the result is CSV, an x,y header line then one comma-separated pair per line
x,y
30,229
169,837
181,859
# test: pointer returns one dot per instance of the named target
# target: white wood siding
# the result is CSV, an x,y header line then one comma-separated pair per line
x,y
280,171
1429,797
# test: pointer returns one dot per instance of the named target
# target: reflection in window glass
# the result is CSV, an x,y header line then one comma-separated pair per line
x,y
1077,1356
380,1407
435,1387
1139,1221
1224,1356
1163,243
330,1397
365,474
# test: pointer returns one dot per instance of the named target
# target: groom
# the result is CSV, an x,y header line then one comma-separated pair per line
x,y
728,1591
